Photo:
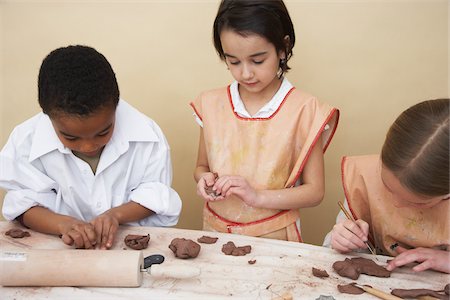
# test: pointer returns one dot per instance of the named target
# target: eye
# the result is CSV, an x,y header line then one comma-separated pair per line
x,y
234,62
70,138
103,133
258,62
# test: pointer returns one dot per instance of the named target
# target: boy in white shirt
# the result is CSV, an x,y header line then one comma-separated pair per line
x,y
89,162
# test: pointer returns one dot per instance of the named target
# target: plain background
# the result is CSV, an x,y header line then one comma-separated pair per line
x,y
370,58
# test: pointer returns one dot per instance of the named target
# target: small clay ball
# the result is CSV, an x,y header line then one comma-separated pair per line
x,y
137,242
184,248
17,233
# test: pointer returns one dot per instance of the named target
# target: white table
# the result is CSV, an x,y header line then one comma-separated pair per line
x,y
281,268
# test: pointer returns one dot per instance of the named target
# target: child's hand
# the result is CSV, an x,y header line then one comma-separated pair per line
x,y
79,233
236,185
207,182
347,235
106,226
438,260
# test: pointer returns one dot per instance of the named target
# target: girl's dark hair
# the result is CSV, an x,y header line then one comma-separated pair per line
x,y
267,18
76,80
416,149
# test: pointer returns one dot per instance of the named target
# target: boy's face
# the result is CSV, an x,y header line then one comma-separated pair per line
x,y
403,196
87,135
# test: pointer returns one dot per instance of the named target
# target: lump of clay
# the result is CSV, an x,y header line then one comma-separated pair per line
x,y
350,289
209,189
231,249
184,248
416,293
319,273
17,233
137,242
352,268
207,240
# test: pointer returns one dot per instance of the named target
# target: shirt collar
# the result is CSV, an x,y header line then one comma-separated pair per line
x,y
130,126
267,109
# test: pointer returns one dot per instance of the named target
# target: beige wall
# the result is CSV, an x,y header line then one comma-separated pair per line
x,y
371,59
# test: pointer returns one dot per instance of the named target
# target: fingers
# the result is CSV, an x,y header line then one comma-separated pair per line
x,y
106,226
347,236
79,237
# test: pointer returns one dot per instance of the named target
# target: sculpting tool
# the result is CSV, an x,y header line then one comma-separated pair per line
x,y
350,217
377,293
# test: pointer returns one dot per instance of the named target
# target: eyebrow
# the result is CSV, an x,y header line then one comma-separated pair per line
x,y
101,131
253,55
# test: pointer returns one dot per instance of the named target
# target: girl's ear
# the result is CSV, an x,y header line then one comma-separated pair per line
x,y
283,54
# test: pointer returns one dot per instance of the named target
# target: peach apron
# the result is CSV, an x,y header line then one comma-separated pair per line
x,y
269,152
370,201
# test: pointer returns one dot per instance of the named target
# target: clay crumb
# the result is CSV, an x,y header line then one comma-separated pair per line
x,y
137,242
319,273
252,262
207,240
17,233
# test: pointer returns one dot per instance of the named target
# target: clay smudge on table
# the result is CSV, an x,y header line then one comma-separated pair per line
x,y
416,293
137,242
350,289
231,249
352,268
207,240
17,233
319,273
184,248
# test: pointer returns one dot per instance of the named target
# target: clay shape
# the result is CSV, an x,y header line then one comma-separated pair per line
x,y
137,242
416,293
207,240
350,289
17,233
231,249
184,248
352,268
319,273
252,261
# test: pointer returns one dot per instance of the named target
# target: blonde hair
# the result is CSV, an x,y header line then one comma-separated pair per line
x,y
416,148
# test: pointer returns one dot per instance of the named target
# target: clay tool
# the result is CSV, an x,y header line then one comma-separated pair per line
x,y
350,217
153,267
377,293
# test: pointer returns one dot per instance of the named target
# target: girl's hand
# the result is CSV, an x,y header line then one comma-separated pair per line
x,y
438,260
106,226
347,235
78,233
207,181
236,185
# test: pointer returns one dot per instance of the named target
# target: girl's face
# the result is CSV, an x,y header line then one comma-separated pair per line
x,y
403,196
253,62
86,135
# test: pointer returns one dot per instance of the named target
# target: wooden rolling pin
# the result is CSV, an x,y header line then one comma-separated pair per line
x,y
101,268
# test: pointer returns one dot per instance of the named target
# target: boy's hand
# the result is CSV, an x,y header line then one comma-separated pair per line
x,y
347,235
438,260
106,226
78,233
207,182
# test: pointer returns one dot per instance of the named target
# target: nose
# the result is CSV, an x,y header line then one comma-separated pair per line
x,y
247,72
88,146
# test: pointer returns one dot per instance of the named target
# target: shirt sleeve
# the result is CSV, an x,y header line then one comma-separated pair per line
x,y
26,185
155,191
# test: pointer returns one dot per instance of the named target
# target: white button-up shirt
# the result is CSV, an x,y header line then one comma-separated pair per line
x,y
36,169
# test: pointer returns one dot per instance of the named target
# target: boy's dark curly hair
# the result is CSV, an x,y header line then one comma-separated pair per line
x,y
76,80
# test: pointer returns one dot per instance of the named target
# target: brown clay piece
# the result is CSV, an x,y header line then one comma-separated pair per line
x,y
184,248
320,273
350,289
137,242
252,261
416,293
231,249
209,189
207,240
353,267
17,233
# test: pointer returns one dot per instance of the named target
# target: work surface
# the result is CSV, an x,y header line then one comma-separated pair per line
x,y
281,269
